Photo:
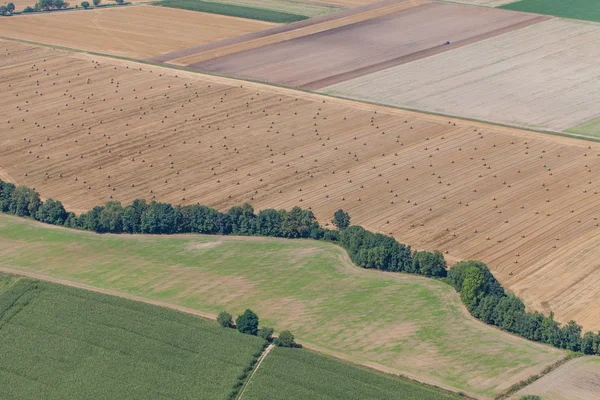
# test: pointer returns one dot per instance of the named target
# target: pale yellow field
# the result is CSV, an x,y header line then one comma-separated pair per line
x,y
134,31
544,76
525,203
578,379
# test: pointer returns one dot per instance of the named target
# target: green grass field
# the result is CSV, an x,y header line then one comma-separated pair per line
x,y
576,9
589,128
63,343
234,10
294,374
394,322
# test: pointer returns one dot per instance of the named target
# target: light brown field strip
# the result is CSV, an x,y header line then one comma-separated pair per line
x,y
332,80
310,29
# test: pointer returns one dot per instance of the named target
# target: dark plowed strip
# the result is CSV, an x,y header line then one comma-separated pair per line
x,y
335,79
271,31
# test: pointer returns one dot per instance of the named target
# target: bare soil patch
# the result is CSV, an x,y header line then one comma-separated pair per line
x,y
337,54
137,32
103,129
578,379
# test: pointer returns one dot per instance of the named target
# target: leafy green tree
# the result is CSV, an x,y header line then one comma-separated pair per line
x,y
429,264
247,323
225,319
3,10
91,220
6,191
242,219
58,4
549,330
570,336
96,2
72,221
268,223
24,202
10,7
111,217
266,333
589,343
85,4
132,216
160,218
341,219
52,212
285,339
472,290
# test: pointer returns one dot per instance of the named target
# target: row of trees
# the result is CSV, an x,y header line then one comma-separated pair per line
x,y
51,5
247,323
486,299
483,295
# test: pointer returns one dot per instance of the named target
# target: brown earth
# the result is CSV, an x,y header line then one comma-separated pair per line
x,y
86,131
286,32
136,31
579,379
317,59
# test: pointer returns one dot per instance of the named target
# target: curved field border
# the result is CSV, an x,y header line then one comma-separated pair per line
x,y
395,323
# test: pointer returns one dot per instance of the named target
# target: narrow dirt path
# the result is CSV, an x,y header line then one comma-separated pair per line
x,y
260,360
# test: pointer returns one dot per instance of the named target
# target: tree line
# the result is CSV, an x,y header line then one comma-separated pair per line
x,y
482,294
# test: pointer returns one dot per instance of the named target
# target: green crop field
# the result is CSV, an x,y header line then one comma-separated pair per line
x,y
233,10
394,322
589,128
294,374
62,343
576,9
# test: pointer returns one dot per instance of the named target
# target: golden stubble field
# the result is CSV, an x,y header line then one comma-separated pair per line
x,y
132,31
86,130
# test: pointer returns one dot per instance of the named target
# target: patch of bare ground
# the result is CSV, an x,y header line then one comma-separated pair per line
x,y
86,130
578,379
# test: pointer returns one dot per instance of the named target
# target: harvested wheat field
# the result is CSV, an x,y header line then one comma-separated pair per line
x,y
86,130
548,81
578,379
136,31
344,52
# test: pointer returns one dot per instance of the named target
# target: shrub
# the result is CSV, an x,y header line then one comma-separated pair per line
x,y
266,333
247,323
530,397
119,1
341,219
3,10
225,320
85,4
96,2
285,339
28,9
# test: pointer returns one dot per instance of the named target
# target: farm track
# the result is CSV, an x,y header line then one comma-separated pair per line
x,y
186,138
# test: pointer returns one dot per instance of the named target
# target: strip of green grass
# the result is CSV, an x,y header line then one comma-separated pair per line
x,y
233,10
577,9
58,342
589,128
407,324
295,374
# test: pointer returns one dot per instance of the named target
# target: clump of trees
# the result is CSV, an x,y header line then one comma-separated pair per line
x,y
285,339
7,9
482,294
49,5
247,323
225,320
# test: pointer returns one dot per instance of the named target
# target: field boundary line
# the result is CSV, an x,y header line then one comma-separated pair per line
x,y
258,363
363,103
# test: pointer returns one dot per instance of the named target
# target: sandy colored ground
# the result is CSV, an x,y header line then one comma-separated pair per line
x,y
292,31
344,52
579,379
548,81
525,203
137,32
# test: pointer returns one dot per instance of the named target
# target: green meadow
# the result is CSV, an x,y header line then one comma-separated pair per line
x,y
576,9
393,322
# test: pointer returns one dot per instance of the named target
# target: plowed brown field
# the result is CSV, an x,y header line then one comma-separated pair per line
x,y
135,31
525,203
